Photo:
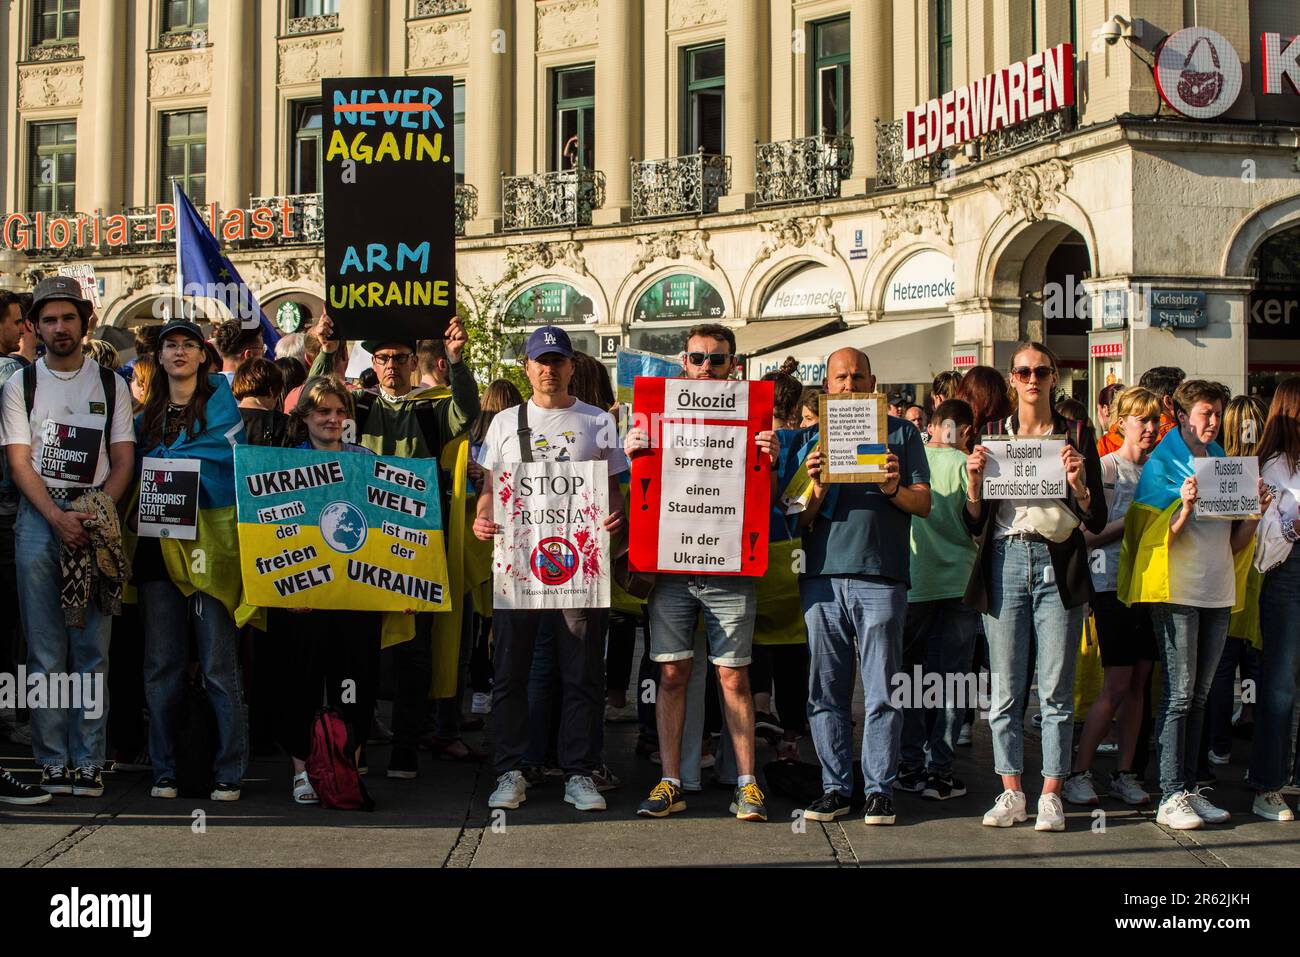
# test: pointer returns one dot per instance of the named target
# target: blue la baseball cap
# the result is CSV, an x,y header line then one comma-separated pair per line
x,y
549,339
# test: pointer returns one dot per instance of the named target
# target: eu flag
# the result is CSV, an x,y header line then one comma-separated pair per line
x,y
202,271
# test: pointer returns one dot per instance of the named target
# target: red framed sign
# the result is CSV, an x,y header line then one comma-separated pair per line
x,y
702,493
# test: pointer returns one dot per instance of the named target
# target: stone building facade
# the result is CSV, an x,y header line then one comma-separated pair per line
x,y
630,168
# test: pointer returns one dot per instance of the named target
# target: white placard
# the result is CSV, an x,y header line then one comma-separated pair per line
x,y
854,439
1023,468
706,399
553,551
1227,487
85,275
702,505
169,499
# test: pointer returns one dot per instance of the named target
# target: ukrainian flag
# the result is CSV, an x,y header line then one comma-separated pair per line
x,y
1144,556
872,454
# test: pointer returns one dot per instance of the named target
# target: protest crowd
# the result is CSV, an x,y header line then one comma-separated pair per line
x,y
1125,579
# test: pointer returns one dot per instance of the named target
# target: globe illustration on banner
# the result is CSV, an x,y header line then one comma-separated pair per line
x,y
343,527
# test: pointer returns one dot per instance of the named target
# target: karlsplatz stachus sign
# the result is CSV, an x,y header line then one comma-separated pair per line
x,y
97,231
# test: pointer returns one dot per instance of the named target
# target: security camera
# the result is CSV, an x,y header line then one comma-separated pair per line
x,y
1111,31
1117,28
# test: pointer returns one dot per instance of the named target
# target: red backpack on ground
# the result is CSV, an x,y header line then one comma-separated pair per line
x,y
331,768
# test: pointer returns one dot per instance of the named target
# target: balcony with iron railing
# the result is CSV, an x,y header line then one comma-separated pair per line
x,y
804,170
439,8
687,185
305,219
551,200
466,200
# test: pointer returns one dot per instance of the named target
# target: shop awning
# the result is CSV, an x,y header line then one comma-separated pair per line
x,y
765,335
900,350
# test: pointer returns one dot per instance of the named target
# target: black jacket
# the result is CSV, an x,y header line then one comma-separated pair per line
x,y
1070,557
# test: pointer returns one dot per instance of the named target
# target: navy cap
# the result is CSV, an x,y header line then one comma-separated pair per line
x,y
181,325
58,287
549,339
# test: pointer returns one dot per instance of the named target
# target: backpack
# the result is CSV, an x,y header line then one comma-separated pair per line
x,y
107,378
196,742
331,768
802,782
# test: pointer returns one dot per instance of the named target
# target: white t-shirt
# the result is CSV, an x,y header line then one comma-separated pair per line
x,y
1119,477
1201,572
580,433
66,427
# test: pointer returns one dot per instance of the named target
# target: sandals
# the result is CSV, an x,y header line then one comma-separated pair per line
x,y
303,793
443,746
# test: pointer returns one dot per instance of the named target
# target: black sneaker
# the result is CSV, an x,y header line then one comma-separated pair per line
x,y
404,764
56,780
13,791
225,792
86,782
665,798
941,788
828,807
165,788
534,776
880,810
913,781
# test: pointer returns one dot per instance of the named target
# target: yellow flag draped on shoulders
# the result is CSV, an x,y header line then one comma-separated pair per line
x,y
1144,567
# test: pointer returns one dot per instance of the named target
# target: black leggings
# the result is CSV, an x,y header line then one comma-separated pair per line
x,y
317,653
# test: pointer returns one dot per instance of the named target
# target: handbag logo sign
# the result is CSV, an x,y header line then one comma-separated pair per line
x,y
1198,73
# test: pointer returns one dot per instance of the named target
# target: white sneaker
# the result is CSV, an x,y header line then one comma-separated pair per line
x,y
1219,759
581,793
1179,814
511,791
1271,806
480,703
1051,813
1126,786
1078,789
1205,810
1008,809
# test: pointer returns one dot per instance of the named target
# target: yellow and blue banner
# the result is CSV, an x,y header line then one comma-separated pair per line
x,y
340,530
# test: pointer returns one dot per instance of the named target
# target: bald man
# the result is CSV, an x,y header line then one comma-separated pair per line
x,y
856,539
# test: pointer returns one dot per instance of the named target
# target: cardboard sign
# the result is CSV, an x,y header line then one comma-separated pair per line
x,y
85,275
852,428
169,499
70,446
1227,487
701,494
1023,468
554,550
389,195
343,530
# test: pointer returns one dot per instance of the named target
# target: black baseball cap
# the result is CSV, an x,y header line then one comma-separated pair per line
x,y
183,326
54,288
374,345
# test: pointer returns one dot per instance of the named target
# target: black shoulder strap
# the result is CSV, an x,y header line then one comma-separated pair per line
x,y
525,435
29,387
108,378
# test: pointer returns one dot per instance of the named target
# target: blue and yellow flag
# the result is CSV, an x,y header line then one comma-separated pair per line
x,y
1144,568
340,530
209,563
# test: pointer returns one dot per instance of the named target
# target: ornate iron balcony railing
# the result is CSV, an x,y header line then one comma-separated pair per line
x,y
440,8
891,171
316,24
466,206
306,218
54,50
551,200
796,171
679,185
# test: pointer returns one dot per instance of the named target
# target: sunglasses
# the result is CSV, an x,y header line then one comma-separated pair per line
x,y
713,358
1025,373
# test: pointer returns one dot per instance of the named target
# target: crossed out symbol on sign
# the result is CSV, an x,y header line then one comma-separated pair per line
x,y
554,561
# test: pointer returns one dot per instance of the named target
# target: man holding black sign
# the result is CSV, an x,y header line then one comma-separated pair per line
x,y
402,422
67,433
854,593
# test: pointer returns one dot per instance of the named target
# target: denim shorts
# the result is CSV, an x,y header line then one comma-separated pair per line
x,y
727,603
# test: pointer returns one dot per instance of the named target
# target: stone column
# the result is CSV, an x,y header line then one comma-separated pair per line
x,y
363,24
108,106
747,97
618,92
489,116
235,48
871,80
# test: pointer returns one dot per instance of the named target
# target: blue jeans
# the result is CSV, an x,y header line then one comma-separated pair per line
x,y
65,737
844,614
1025,608
168,618
938,639
1278,672
1191,642
728,605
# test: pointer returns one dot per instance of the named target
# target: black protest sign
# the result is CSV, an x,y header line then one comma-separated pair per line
x,y
390,243
169,499
70,449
